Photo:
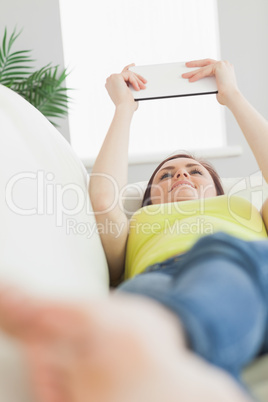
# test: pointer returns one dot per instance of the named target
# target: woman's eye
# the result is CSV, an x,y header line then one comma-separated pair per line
x,y
196,171
165,175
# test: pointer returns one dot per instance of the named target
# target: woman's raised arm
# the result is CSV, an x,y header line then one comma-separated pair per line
x,y
253,125
109,173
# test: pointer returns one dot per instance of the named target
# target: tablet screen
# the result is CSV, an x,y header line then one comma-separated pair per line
x,y
165,81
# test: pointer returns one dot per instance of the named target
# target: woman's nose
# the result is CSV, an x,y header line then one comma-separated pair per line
x,y
181,173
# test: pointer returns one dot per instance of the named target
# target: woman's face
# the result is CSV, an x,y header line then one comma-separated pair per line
x,y
182,179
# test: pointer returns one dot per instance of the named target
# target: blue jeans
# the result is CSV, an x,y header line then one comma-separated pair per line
x,y
219,291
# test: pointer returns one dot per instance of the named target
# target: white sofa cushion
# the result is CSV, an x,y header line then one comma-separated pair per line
x,y
49,243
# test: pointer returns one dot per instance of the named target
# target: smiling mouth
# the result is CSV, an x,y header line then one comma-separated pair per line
x,y
182,184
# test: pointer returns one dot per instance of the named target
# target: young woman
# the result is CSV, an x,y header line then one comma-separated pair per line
x,y
193,309
199,278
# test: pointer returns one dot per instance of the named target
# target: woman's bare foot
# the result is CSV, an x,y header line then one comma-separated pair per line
x,y
124,349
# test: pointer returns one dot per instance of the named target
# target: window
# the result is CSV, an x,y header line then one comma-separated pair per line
x,y
103,36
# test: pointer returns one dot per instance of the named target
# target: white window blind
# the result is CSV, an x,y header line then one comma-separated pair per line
x,y
101,37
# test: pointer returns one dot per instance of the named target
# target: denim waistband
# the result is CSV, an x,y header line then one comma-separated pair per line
x,y
164,264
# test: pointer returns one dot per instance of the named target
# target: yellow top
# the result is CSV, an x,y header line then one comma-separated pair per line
x,y
158,232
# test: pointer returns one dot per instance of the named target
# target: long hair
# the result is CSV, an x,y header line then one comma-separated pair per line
x,y
217,181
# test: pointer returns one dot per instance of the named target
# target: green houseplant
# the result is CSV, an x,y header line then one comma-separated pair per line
x,y
43,88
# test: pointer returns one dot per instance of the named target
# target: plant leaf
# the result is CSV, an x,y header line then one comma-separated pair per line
x,y
43,88
4,43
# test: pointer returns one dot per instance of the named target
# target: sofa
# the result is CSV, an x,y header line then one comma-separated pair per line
x,y
50,245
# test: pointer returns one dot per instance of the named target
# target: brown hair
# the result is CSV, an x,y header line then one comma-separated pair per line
x,y
219,189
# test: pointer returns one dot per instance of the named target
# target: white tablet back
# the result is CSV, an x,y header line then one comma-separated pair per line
x,y
165,81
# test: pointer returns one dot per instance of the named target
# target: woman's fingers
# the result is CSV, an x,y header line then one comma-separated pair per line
x,y
200,63
200,73
143,80
134,80
190,74
224,73
117,87
130,78
127,67
139,82
206,69
139,76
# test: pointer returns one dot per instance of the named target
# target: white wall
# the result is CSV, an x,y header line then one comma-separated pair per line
x,y
244,41
40,21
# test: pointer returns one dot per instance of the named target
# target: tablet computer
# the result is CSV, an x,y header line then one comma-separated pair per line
x,y
165,81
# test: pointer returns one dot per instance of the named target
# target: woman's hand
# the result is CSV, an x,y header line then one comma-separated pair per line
x,y
223,72
117,87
